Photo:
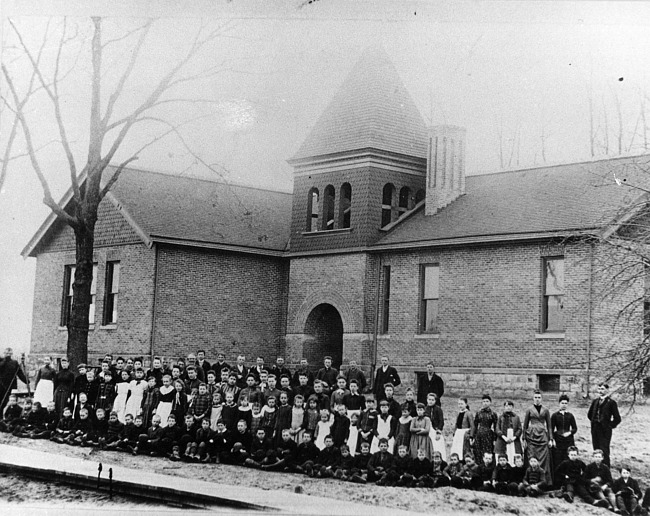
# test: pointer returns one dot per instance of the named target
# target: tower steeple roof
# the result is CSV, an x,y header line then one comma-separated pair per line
x,y
372,109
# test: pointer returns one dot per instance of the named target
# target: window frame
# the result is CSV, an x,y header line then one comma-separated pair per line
x,y
345,206
66,304
111,293
545,327
329,208
422,316
387,208
313,198
385,299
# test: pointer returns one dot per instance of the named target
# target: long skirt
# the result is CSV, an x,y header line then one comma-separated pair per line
x,y
119,406
353,439
163,410
460,445
438,444
62,400
133,405
44,392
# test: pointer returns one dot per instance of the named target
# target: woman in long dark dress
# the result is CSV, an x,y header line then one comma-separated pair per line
x,y
485,423
63,386
537,432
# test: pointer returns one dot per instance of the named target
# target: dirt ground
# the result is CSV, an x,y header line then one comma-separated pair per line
x,y
631,444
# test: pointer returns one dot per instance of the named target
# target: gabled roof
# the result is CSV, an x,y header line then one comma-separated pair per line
x,y
197,212
534,202
372,110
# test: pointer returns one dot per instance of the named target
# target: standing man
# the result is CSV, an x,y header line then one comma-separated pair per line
x,y
303,369
430,383
328,374
259,367
385,374
202,362
221,364
279,370
604,417
241,371
9,370
191,361
354,373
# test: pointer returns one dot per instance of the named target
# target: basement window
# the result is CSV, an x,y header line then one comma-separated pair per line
x,y
549,382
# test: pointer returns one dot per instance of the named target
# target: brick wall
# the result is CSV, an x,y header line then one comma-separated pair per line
x,y
220,302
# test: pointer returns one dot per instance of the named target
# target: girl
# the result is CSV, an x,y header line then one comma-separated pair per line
x,y
244,411
297,418
63,386
44,392
137,388
166,401
420,429
464,434
269,417
434,413
485,422
256,418
215,415
123,388
386,427
311,415
403,436
508,433
323,428
354,433
150,402
179,400
283,419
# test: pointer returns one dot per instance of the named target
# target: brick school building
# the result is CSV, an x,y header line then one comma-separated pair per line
x,y
384,247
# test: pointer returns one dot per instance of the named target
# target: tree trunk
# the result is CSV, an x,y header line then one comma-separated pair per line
x,y
82,297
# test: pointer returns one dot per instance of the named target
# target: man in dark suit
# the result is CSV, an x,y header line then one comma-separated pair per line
x,y
431,382
303,369
9,371
241,371
385,374
279,369
604,417
203,363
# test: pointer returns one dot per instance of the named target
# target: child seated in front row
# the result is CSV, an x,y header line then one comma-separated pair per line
x,y
627,492
517,473
468,477
12,414
64,427
599,481
501,475
570,474
534,479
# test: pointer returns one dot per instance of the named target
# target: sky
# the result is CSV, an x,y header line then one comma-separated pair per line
x,y
519,76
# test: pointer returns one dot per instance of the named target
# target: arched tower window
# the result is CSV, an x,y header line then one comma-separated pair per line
x,y
345,205
312,210
419,196
387,204
329,197
404,200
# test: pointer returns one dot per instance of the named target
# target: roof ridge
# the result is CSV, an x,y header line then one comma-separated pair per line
x,y
558,165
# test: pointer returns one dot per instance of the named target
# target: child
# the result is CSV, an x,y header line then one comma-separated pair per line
x,y
81,404
354,433
420,430
283,418
454,469
312,415
354,401
188,436
230,412
338,394
340,429
409,399
468,478
64,427
269,417
464,433
345,464
129,435
168,445
13,413
201,404
508,431
517,473
179,401
501,475
106,392
306,454
399,472
256,418
30,417
420,474
486,473
323,428
322,399
285,386
204,436
534,479
403,436
166,401
297,418
215,413
599,479
569,474
222,442
434,413
440,479
285,452
137,387
80,430
380,462
261,451
394,408
122,388
368,423
114,429
386,427
147,443
231,386
627,492
100,428
360,470
149,402
328,458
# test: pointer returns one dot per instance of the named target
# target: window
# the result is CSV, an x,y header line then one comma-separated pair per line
x,y
111,292
387,204
312,210
430,288
66,308
385,299
345,205
552,319
549,382
328,208
404,200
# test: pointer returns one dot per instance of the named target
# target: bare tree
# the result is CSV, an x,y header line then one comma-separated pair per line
x,y
107,131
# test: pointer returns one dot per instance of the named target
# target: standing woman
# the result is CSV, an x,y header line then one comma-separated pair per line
x,y
485,423
44,392
137,388
464,434
63,386
123,388
508,433
537,433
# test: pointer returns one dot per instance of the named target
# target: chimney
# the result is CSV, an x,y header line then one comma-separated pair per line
x,y
445,167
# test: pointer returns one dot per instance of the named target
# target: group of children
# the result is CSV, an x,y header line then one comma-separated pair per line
x,y
319,430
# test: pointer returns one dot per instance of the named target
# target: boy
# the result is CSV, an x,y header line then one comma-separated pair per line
x,y
13,413
261,451
501,475
204,440
188,436
397,473
241,445
368,423
64,427
130,433
271,390
285,453
468,478
231,386
221,442
380,462
106,392
26,415
599,479
192,383
147,443
345,464
100,428
82,402
534,479
569,475
201,404
341,427
81,429
170,438
306,454
360,470
112,432
517,473
328,458
627,492
486,473
453,469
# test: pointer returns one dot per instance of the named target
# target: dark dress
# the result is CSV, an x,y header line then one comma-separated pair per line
x,y
485,423
63,386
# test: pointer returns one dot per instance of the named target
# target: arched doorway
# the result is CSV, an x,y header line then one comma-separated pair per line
x,y
324,331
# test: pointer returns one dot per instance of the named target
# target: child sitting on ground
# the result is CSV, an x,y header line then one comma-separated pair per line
x,y
627,492
570,475
534,479
501,475
599,481
13,413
